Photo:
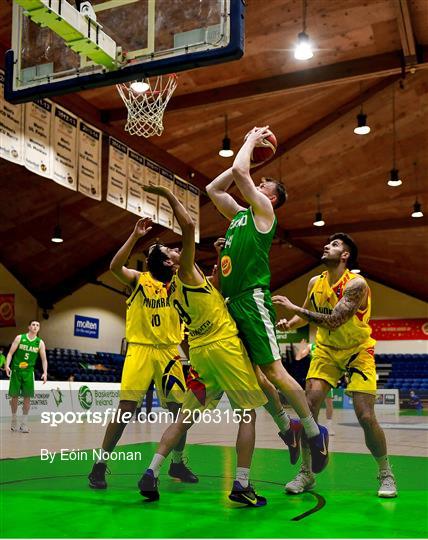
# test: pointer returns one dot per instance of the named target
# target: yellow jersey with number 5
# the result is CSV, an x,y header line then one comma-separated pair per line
x,y
150,319
203,311
354,332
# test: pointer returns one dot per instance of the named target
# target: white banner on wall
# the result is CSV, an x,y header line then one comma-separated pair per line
x,y
38,152
89,167
180,191
136,169
166,215
64,148
117,173
11,128
193,207
150,202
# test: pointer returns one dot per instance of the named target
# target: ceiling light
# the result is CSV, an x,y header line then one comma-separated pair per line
x,y
318,221
394,179
356,271
226,150
303,50
362,127
140,86
57,235
417,210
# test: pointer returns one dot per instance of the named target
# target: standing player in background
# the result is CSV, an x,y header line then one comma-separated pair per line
x,y
344,345
22,357
218,359
244,276
153,333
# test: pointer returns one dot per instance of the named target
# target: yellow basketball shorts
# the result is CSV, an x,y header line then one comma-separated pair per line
x,y
144,363
222,366
358,364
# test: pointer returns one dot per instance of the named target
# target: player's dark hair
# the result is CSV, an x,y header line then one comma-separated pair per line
x,y
156,266
32,320
281,193
352,261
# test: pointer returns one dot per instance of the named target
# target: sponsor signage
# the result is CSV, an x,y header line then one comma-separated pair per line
x,y
397,329
86,326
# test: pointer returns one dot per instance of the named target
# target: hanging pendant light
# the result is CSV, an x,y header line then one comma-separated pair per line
x,y
226,150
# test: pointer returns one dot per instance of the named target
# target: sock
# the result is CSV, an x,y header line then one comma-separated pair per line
x,y
282,420
13,418
310,426
242,476
105,455
156,464
329,423
306,458
177,457
25,418
383,463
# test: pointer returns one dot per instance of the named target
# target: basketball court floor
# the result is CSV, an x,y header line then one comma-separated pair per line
x,y
42,499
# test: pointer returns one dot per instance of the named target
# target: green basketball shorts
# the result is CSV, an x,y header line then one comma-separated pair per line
x,y
255,317
21,383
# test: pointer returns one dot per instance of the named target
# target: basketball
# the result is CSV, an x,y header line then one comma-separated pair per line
x,y
263,153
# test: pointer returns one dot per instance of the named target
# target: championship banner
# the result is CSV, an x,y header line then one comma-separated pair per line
x,y
89,166
64,148
193,207
399,329
180,191
117,173
11,136
150,201
166,215
7,310
135,199
37,152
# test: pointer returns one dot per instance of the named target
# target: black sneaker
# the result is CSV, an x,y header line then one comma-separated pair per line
x,y
292,439
97,477
182,472
246,495
319,450
148,486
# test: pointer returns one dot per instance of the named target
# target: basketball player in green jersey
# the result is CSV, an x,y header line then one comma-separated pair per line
x,y
244,276
22,356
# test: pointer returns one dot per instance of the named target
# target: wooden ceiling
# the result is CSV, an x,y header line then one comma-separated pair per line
x,y
364,48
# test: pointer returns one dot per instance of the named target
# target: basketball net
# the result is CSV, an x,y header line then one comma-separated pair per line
x,y
146,109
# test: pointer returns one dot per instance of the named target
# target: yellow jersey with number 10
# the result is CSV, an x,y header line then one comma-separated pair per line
x,y
203,311
150,319
354,332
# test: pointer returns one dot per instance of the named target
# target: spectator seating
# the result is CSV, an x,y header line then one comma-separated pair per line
x,y
405,372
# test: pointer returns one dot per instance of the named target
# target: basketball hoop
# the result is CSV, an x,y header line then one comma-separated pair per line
x,y
145,109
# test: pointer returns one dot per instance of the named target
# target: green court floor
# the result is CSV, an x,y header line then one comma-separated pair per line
x,y
52,500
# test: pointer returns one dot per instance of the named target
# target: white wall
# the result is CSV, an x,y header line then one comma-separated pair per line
x,y
386,304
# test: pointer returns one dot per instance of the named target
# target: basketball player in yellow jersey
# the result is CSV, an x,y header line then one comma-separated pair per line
x,y
153,333
219,363
342,304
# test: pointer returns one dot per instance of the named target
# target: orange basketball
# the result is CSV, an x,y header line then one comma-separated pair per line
x,y
263,153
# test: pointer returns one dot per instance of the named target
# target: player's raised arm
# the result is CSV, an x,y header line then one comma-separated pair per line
x,y
217,192
117,265
241,174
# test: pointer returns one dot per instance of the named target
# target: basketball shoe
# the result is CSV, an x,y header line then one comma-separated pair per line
x,y
304,481
387,487
246,495
182,472
319,450
14,425
148,486
97,477
292,439
23,428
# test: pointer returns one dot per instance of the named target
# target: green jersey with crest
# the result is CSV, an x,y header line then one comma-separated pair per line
x,y
244,260
26,354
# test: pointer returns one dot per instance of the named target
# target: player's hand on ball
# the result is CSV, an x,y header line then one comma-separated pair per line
x,y
219,244
283,325
283,301
257,135
142,227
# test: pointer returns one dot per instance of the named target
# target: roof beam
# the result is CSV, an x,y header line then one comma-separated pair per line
x,y
381,65
406,32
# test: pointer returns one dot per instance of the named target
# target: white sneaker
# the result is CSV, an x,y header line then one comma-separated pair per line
x,y
304,481
388,487
329,426
23,428
14,426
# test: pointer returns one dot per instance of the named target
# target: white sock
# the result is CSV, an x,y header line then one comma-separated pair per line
x,y
310,426
25,418
306,458
383,463
242,476
104,454
177,457
14,418
282,420
156,464
329,423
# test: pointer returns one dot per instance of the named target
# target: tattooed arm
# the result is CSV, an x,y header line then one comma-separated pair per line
x,y
353,297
